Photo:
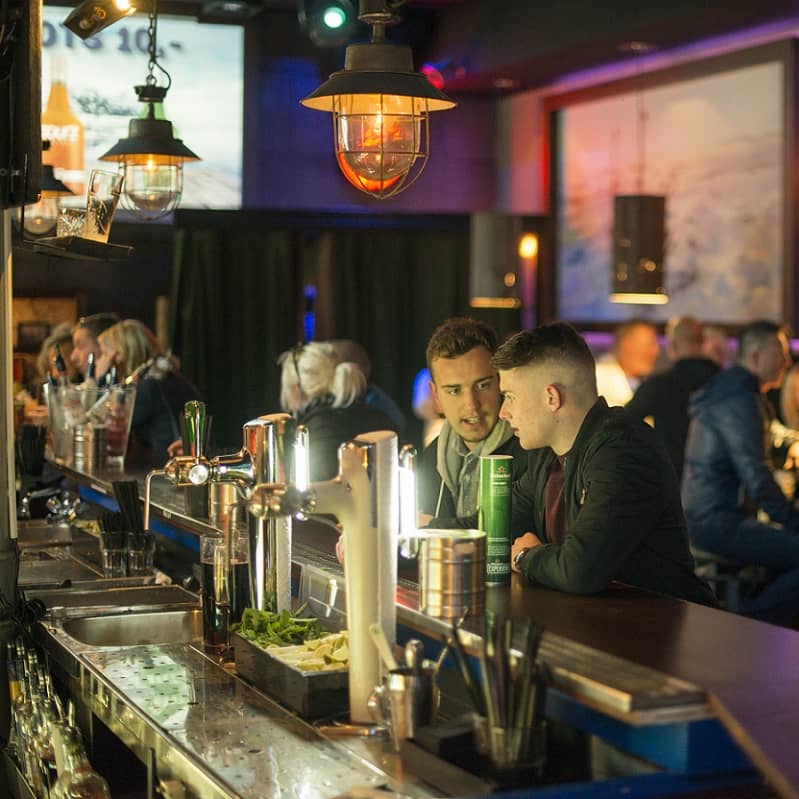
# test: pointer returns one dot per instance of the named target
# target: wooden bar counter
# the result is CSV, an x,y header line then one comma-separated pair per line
x,y
749,669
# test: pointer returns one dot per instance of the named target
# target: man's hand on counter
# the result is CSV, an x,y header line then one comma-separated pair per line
x,y
520,546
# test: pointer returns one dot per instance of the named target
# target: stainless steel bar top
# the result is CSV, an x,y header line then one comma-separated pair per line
x,y
221,738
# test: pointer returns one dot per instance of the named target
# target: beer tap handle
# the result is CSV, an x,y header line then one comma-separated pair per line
x,y
194,414
409,543
273,500
302,463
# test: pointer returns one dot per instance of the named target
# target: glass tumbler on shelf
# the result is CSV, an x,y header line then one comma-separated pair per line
x,y
101,205
71,222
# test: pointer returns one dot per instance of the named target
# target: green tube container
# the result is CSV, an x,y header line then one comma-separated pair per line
x,y
493,515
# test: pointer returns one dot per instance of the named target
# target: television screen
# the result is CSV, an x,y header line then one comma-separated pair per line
x,y
88,99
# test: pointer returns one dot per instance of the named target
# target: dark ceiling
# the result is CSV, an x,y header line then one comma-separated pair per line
x,y
492,47
526,44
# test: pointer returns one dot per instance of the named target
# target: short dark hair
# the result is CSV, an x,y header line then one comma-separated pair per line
x,y
756,334
457,336
96,323
557,342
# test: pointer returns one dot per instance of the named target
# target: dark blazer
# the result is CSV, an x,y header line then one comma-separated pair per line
x,y
624,517
665,398
156,411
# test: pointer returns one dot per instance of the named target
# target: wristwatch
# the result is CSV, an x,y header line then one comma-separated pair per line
x,y
517,559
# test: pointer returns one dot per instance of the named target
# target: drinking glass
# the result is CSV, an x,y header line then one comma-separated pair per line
x,y
71,222
225,588
119,415
101,205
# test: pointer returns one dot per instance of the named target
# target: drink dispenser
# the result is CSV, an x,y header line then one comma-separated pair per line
x,y
267,456
365,499
270,441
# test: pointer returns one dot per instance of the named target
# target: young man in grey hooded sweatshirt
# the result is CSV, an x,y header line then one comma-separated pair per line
x,y
466,387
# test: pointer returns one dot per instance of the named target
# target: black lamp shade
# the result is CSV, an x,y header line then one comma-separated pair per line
x,y
639,227
152,139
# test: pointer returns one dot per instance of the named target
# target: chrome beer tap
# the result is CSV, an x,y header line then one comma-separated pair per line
x,y
364,498
267,455
192,469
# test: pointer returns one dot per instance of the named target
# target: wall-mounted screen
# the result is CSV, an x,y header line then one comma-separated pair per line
x,y
88,98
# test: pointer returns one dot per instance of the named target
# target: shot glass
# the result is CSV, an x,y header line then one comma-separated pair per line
x,y
71,222
141,549
114,551
101,205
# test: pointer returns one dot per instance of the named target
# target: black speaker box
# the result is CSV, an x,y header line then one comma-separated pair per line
x,y
639,228
20,102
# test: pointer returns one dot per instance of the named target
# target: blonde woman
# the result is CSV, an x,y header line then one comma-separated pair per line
x,y
326,395
161,389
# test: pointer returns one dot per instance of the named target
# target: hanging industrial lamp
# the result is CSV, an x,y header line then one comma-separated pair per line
x,y
151,158
41,218
639,228
380,110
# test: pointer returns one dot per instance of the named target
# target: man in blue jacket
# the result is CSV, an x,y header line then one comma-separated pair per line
x,y
600,502
729,477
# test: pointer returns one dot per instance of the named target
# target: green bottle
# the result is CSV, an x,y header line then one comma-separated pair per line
x,y
493,514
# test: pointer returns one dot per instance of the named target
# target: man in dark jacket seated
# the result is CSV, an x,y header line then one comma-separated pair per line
x,y
466,387
728,475
662,400
601,501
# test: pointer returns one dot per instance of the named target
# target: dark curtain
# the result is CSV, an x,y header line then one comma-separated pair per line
x,y
390,289
234,310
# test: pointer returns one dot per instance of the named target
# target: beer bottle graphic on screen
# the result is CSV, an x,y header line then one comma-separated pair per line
x,y
64,130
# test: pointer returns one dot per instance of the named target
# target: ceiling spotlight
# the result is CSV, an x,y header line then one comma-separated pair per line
x,y
230,9
328,23
92,16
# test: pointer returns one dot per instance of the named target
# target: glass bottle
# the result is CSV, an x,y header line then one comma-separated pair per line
x,y
77,779
64,130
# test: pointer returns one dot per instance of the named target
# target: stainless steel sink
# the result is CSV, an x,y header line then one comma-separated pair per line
x,y
137,629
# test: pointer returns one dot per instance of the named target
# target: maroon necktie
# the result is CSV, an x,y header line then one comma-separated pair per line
x,y
554,507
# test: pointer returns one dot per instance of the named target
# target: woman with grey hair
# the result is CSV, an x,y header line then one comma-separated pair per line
x,y
326,395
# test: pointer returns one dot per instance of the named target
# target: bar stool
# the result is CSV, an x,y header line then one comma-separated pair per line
x,y
729,579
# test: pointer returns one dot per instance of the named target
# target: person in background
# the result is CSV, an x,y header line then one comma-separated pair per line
x,y
600,504
662,400
729,476
375,397
59,340
716,346
161,389
632,359
466,388
84,339
425,407
789,398
327,395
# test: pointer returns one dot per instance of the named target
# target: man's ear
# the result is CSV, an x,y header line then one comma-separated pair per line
x,y
554,394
